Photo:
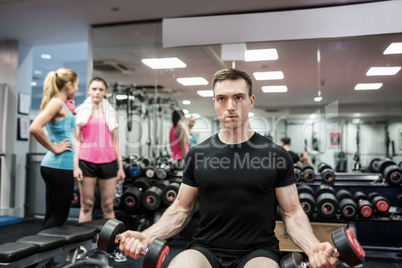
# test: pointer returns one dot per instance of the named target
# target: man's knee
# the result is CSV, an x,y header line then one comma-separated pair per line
x,y
261,262
189,258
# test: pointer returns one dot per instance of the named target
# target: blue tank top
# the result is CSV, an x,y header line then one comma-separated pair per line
x,y
58,131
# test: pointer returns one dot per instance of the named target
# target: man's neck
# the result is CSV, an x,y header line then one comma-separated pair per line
x,y
232,136
287,147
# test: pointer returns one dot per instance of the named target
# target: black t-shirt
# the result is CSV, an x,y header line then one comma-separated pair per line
x,y
294,157
236,191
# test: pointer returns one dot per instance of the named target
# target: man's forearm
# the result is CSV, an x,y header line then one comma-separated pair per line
x,y
299,230
172,222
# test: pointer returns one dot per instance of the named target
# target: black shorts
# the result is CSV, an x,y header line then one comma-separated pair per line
x,y
100,171
230,261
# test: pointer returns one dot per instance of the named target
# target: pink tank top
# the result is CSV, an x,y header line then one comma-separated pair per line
x,y
97,143
175,145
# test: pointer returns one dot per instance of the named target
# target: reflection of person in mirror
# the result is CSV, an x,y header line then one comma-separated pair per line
x,y
238,193
178,137
57,165
192,136
303,159
98,156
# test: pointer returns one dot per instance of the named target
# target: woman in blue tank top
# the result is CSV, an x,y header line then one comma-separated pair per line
x,y
57,165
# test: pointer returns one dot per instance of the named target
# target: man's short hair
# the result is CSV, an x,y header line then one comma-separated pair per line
x,y
286,140
232,74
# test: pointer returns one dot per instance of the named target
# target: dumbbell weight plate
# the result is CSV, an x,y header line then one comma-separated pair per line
x,y
108,234
152,198
292,260
393,175
348,208
384,164
374,165
169,193
308,173
131,198
156,254
304,188
307,202
327,205
349,248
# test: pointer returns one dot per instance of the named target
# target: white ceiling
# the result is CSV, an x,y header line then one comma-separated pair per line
x,y
344,61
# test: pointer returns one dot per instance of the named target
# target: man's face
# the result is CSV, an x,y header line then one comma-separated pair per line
x,y
232,102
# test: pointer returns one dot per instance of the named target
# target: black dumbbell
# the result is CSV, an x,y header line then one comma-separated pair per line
x,y
347,204
306,198
347,247
374,165
152,197
298,171
76,201
169,193
364,207
327,203
392,173
155,255
380,203
308,173
131,198
327,173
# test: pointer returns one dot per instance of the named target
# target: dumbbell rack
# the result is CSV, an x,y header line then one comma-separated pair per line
x,y
379,233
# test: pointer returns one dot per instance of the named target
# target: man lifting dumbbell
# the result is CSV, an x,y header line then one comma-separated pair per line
x,y
238,177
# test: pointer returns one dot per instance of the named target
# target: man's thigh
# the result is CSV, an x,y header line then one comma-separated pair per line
x,y
189,258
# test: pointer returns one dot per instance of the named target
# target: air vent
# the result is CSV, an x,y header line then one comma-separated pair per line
x,y
111,66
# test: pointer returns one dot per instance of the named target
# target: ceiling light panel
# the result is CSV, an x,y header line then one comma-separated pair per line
x,y
268,75
368,86
192,81
261,54
164,63
383,71
205,93
394,48
274,89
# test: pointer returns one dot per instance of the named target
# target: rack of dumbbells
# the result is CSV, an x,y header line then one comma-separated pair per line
x,y
151,186
369,202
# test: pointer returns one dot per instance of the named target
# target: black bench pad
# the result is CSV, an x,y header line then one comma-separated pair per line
x,y
14,251
44,243
71,234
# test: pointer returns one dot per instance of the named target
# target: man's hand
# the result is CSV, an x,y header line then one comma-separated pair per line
x,y
321,256
131,243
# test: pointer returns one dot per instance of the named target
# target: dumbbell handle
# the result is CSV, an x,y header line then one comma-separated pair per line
x,y
306,264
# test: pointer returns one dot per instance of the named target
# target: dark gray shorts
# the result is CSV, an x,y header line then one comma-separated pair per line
x,y
100,171
226,261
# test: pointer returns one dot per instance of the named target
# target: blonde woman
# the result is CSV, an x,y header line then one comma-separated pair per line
x,y
57,165
97,158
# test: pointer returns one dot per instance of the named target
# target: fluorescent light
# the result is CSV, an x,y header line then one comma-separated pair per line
x,y
34,84
192,81
268,75
38,72
186,102
196,116
205,93
394,48
368,86
164,63
185,111
317,99
274,89
383,70
261,54
124,97
46,56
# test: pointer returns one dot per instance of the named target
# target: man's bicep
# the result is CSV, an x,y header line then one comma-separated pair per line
x,y
287,197
187,196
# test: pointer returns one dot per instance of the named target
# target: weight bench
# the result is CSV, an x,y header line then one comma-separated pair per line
x,y
36,250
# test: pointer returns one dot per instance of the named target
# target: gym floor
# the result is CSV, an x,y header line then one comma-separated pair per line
x,y
11,233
